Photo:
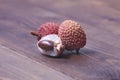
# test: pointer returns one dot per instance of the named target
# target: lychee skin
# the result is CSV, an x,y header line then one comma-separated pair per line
x,y
72,35
46,29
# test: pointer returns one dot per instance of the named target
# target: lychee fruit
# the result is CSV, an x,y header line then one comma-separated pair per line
x,y
72,35
50,45
45,29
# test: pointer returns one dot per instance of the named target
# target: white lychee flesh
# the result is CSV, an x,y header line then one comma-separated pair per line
x,y
57,47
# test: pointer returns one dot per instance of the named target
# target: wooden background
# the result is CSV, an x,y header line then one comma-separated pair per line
x,y
21,60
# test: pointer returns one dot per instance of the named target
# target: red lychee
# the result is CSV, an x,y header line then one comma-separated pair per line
x,y
72,35
45,29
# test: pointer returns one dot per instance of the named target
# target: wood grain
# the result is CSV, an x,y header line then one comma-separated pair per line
x,y
99,59
19,67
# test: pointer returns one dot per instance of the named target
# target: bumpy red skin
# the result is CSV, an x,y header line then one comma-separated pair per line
x,y
72,35
46,29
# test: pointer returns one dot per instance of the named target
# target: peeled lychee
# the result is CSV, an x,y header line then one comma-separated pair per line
x,y
72,35
45,29
50,45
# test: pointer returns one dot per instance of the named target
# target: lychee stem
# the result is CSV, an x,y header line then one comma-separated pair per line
x,y
77,51
34,33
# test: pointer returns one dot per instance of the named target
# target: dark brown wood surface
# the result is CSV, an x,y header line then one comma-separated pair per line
x,y
21,60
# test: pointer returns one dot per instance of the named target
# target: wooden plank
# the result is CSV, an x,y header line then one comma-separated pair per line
x,y
18,67
99,60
